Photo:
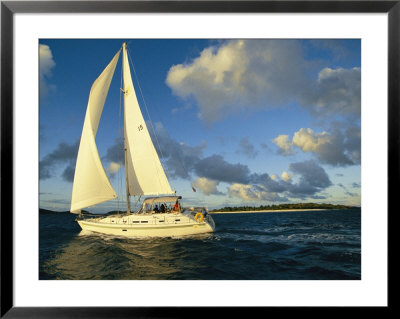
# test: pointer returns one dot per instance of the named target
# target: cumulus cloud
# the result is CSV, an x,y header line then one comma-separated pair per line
x,y
46,64
253,193
113,168
240,74
305,179
207,186
284,144
308,141
311,181
214,169
337,91
286,177
179,157
336,148
255,74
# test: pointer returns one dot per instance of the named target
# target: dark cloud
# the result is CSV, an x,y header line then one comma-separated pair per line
x,y
335,152
216,168
183,161
352,144
64,153
186,161
179,158
69,172
246,148
336,92
206,186
115,153
340,146
312,179
265,147
270,185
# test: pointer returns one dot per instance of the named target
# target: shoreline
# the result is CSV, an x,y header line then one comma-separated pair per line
x,y
271,211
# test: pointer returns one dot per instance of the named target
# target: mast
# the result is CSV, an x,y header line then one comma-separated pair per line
x,y
144,172
128,204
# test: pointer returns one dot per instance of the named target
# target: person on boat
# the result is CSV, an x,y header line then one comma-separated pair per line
x,y
176,206
156,209
162,208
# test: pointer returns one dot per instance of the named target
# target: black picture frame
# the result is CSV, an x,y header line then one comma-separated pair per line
x,y
9,8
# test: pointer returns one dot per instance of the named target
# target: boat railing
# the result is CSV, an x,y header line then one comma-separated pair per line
x,y
186,212
151,221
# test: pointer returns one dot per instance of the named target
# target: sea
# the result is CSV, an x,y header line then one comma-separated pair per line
x,y
299,245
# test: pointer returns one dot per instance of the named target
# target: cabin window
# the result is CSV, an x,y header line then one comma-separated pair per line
x,y
144,221
177,220
135,222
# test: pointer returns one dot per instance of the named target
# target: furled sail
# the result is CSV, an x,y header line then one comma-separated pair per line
x,y
144,172
91,184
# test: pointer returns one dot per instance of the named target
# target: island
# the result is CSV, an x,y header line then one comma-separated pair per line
x,y
279,207
238,209
52,212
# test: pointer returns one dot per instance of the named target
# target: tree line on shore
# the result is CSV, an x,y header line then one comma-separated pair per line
x,y
282,207
243,208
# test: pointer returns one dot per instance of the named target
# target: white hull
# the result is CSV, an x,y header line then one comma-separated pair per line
x,y
154,225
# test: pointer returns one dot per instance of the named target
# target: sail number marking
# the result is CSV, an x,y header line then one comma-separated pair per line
x,y
140,127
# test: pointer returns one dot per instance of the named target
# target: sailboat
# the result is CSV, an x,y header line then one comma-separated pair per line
x,y
160,214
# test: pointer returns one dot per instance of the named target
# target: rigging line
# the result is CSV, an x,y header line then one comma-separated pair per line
x,y
147,111
120,138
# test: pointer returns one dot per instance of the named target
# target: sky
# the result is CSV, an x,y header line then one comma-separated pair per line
x,y
243,122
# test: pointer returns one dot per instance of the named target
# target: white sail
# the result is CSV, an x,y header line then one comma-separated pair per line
x,y
91,184
144,172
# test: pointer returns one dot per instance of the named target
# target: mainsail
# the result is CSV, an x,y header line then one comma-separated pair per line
x,y
91,184
144,172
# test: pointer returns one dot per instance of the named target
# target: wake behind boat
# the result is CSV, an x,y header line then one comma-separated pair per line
x,y
144,174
